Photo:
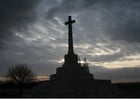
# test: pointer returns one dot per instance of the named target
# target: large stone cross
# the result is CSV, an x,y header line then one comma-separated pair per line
x,y
70,37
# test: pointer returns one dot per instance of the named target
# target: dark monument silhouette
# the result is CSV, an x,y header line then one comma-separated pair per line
x,y
73,79
71,69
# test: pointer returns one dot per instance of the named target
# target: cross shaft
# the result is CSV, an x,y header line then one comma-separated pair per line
x,y
70,36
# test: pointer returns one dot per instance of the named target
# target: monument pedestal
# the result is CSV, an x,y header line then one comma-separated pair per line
x,y
74,80
71,70
71,59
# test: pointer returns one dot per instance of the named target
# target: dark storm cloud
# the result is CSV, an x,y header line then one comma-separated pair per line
x,y
15,14
120,17
129,32
69,6
124,21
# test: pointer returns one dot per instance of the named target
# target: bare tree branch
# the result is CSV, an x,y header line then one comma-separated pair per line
x,y
20,73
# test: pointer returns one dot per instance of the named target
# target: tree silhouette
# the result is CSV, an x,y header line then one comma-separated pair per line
x,y
20,74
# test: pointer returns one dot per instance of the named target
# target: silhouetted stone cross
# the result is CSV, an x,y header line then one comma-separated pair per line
x,y
70,37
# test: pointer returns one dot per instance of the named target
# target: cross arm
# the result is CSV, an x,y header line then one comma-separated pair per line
x,y
69,22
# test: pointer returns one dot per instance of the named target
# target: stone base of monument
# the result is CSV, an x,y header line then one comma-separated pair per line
x,y
71,73
74,80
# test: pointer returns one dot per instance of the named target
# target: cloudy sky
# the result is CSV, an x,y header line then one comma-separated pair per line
x,y
107,32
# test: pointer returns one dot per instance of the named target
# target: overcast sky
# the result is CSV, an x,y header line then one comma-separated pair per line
x,y
107,32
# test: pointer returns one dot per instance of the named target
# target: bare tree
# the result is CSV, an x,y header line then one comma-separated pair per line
x,y
20,74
